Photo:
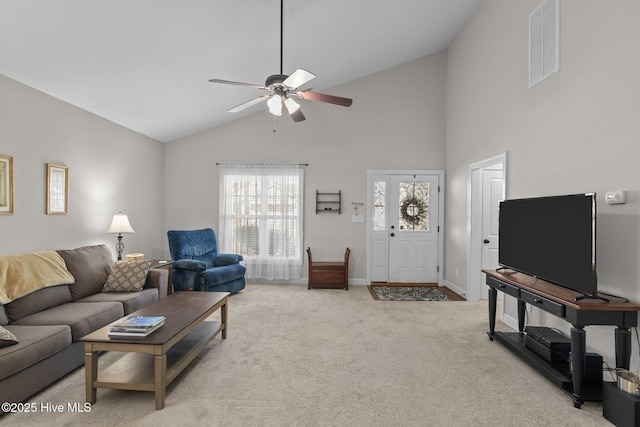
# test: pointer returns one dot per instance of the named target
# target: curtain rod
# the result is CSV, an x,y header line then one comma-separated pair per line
x,y
259,163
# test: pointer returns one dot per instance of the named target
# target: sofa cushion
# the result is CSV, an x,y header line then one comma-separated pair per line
x,y
90,266
127,276
38,301
131,301
83,318
36,344
7,338
3,316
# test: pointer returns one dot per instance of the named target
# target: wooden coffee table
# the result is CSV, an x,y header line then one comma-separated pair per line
x,y
156,360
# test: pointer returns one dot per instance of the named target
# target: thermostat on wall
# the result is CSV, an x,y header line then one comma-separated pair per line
x,y
615,197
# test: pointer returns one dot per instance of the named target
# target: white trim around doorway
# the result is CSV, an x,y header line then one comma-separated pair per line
x,y
369,209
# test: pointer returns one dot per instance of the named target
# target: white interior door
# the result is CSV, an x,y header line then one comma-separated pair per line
x,y
413,228
486,190
492,194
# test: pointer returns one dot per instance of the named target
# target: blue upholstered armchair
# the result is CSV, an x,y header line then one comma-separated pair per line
x,y
198,265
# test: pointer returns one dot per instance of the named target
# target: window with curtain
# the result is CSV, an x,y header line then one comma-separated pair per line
x,y
261,211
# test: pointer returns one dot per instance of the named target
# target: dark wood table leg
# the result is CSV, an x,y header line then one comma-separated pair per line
x,y
493,296
623,348
578,339
522,308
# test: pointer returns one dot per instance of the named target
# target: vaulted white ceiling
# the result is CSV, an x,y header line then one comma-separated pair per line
x,y
145,64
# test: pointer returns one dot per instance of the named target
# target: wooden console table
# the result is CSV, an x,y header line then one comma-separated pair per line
x,y
561,302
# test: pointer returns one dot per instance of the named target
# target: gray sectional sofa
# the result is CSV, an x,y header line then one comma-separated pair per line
x,y
49,322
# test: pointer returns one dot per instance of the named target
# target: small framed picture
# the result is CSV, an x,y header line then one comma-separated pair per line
x,y
57,189
6,184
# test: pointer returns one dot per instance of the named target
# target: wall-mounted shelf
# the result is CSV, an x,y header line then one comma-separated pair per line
x,y
328,202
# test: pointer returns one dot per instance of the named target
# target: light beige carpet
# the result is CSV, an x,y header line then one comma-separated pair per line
x,y
295,357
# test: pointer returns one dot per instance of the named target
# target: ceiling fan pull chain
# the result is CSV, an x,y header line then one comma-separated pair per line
x,y
274,124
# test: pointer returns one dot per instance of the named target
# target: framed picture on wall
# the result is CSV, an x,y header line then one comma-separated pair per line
x,y
57,189
6,184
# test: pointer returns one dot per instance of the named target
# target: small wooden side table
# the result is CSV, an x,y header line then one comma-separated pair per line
x,y
169,266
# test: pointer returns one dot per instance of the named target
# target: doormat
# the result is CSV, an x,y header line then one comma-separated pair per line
x,y
413,293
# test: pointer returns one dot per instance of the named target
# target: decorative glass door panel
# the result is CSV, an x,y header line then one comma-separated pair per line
x,y
379,205
413,206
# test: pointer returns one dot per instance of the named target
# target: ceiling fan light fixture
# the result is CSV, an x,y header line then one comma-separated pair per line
x,y
275,105
292,106
282,87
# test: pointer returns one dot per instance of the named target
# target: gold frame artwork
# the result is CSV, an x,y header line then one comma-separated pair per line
x,y
6,184
57,189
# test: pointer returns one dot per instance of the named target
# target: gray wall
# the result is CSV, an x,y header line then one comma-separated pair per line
x,y
575,132
111,169
396,122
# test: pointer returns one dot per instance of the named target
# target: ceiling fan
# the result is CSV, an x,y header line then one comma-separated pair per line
x,y
282,88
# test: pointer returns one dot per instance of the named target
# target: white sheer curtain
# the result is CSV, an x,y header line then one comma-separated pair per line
x,y
261,211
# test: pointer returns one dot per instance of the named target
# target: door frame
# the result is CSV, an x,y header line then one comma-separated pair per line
x,y
369,216
474,221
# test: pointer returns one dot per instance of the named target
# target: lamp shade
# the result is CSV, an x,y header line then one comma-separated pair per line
x,y
275,105
120,224
292,106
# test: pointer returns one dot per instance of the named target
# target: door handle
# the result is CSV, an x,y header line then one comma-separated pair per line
x,y
486,241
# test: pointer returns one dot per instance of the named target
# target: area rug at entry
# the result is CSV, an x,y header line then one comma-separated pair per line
x,y
408,293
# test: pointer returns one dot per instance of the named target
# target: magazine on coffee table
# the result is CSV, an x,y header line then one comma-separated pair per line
x,y
143,322
133,332
136,326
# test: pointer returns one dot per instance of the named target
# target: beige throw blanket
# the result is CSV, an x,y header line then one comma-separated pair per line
x,y
25,273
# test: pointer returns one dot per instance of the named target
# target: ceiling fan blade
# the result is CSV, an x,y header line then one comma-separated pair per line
x,y
323,97
248,104
229,82
298,78
297,116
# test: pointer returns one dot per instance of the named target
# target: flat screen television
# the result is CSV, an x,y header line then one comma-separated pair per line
x,y
551,238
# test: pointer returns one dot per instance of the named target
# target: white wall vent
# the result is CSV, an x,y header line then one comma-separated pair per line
x,y
544,41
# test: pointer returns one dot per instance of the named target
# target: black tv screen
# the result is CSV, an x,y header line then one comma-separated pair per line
x,y
551,238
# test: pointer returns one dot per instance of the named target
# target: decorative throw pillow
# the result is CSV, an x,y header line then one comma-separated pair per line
x,y
127,276
7,338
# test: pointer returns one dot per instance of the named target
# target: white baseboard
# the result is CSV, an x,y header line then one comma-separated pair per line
x,y
510,321
455,288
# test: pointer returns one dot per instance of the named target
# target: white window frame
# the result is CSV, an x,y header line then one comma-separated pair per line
x,y
262,264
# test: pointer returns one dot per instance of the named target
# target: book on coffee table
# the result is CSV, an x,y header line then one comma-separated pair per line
x,y
136,326
141,322
133,332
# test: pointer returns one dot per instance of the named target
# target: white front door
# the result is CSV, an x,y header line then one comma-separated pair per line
x,y
413,228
